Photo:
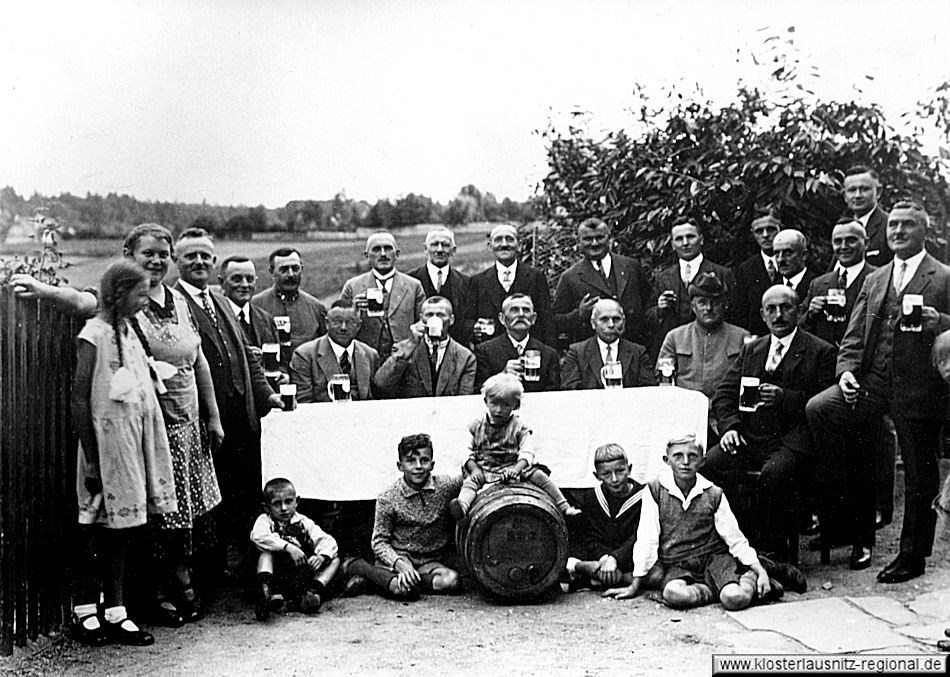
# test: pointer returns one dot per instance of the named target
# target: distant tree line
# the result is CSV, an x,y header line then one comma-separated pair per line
x,y
95,216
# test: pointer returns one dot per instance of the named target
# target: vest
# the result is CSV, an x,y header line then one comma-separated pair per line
x,y
689,533
886,335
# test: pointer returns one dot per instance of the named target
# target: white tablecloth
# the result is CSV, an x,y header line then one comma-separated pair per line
x,y
347,451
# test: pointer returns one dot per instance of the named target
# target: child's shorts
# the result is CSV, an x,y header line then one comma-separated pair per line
x,y
289,579
716,570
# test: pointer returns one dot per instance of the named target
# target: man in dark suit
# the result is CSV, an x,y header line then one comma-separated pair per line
x,y
439,278
240,388
848,242
862,188
237,278
508,276
789,248
673,307
504,353
585,359
600,275
315,362
757,273
791,365
885,368
430,363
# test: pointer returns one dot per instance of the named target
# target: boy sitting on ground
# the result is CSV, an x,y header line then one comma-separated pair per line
x,y
501,448
690,544
297,558
602,538
412,534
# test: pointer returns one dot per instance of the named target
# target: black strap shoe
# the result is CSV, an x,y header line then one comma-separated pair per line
x,y
860,558
126,632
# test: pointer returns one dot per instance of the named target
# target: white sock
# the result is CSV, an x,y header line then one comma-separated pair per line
x,y
88,613
118,615
572,563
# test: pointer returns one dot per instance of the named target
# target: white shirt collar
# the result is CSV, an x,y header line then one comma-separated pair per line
x,y
852,271
913,263
766,258
614,349
785,341
384,278
694,265
236,309
605,264
434,272
796,279
192,290
666,479
513,268
523,344
339,350
867,217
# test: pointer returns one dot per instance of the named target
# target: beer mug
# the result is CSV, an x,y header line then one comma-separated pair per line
x,y
485,325
270,352
434,327
531,361
338,388
749,393
666,366
912,316
834,305
612,375
288,395
374,302
282,322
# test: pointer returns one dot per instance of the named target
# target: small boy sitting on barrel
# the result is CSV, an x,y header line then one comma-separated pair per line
x,y
690,544
501,448
602,539
412,533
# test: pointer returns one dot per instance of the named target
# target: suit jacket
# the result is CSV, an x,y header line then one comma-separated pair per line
x,y
406,373
262,324
492,356
581,369
878,253
806,369
752,279
803,285
405,301
253,383
633,294
457,289
487,295
815,322
661,322
917,390
314,363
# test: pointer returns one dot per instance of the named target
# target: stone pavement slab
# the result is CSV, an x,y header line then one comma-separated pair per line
x,y
887,609
926,632
828,625
934,605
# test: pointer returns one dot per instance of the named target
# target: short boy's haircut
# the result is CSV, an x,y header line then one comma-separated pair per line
x,y
941,347
503,386
606,453
410,443
685,441
275,485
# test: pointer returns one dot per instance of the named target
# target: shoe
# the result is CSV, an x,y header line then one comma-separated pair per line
x,y
166,616
267,602
882,519
790,577
126,632
81,633
810,525
355,586
943,644
775,593
189,605
860,558
571,512
456,510
310,603
903,568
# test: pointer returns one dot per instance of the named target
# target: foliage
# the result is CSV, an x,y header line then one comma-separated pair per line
x,y
47,264
774,145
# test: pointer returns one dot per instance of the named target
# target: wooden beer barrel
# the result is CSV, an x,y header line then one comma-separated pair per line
x,y
514,541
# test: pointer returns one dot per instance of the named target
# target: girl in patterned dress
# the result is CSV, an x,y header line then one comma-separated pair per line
x,y
124,468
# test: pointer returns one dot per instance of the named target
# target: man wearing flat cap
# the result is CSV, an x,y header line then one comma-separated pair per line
x,y
702,350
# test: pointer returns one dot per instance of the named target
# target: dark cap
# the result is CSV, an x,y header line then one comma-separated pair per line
x,y
707,284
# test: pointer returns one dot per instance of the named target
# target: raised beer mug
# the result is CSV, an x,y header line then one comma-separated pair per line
x,y
834,305
531,361
666,366
749,393
288,396
612,375
270,353
374,302
282,322
912,315
434,327
338,388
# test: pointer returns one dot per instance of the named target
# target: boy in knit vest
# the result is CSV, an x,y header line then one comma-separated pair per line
x,y
689,543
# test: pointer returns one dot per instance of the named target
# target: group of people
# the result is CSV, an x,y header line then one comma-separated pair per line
x,y
837,368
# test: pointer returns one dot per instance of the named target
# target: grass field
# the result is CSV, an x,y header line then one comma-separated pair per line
x,y
327,264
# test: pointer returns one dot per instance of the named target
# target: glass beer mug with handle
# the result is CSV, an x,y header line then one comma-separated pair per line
x,y
531,361
612,375
338,388
667,367
912,306
749,393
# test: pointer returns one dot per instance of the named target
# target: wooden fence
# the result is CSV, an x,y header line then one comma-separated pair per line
x,y
37,469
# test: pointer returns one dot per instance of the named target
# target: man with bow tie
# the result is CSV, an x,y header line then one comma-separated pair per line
x,y
791,366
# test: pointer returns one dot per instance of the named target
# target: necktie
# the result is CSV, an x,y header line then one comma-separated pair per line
x,y
520,350
899,278
345,365
608,354
245,325
771,270
789,284
775,357
686,276
434,367
506,279
206,303
843,279
439,281
383,284
599,267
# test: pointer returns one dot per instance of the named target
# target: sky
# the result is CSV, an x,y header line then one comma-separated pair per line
x,y
254,102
